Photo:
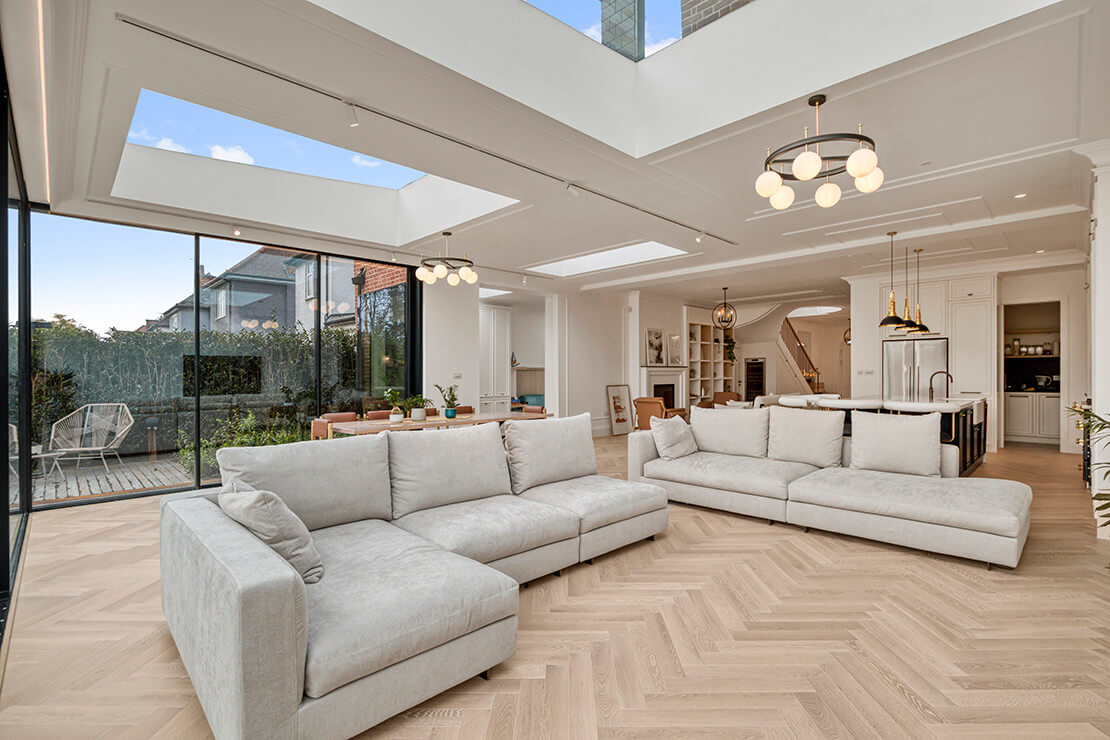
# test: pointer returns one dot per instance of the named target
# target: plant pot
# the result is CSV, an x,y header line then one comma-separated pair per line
x,y
396,415
449,413
419,414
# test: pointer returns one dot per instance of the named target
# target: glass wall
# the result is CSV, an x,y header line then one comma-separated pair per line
x,y
12,251
257,347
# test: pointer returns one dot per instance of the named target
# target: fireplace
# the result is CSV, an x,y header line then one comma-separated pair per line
x,y
666,392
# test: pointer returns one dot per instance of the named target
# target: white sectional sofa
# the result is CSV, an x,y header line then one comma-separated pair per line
x,y
900,485
423,538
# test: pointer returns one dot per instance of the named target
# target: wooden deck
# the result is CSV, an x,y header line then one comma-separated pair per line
x,y
133,474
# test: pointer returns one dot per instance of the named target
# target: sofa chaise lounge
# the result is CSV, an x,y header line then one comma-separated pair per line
x,y
899,485
423,538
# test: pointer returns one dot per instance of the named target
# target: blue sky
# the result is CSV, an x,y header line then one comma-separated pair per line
x,y
662,26
168,123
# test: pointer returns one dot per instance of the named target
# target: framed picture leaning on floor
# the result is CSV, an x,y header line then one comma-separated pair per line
x,y
620,409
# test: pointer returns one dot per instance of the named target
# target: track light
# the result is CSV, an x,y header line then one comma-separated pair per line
x,y
524,280
352,116
699,237
571,189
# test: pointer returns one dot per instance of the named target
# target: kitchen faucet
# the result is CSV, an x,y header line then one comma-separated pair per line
x,y
934,375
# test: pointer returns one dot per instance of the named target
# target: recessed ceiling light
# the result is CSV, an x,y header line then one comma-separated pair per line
x,y
1020,195
798,313
235,231
699,237
1040,251
633,254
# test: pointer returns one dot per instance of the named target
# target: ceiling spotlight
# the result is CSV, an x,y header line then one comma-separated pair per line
x,y
235,231
352,116
1040,251
524,280
1021,195
699,237
392,256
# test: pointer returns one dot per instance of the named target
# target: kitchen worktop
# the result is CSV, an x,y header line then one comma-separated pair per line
x,y
945,405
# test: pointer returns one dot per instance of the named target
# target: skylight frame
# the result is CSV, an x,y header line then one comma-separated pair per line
x,y
601,261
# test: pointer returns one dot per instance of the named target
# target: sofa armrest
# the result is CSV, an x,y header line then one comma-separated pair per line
x,y
641,450
949,461
238,614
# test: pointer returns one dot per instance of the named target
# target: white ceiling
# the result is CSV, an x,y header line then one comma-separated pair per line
x,y
960,129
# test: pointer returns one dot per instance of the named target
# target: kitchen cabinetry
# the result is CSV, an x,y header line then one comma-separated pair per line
x,y
494,374
971,340
1033,417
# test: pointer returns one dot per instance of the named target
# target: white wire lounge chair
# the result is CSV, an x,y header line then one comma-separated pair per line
x,y
91,432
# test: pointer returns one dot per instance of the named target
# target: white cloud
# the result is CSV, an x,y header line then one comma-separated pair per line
x,y
360,161
653,46
141,134
231,154
170,145
594,32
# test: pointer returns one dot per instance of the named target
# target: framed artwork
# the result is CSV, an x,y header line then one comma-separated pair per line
x,y
674,350
656,352
620,409
694,334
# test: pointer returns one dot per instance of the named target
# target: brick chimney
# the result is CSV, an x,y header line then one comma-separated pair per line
x,y
622,27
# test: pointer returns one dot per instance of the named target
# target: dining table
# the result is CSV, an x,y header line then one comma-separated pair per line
x,y
432,422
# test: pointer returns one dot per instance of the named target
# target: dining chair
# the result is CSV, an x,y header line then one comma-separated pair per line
x,y
649,406
321,424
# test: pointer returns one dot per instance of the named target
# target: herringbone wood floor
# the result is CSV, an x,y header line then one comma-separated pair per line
x,y
722,627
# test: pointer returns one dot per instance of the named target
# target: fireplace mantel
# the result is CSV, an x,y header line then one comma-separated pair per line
x,y
650,376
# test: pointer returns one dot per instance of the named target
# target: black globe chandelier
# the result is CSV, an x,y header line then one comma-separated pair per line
x,y
803,160
452,269
724,315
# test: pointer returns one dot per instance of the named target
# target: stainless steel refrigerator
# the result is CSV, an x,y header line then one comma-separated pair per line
x,y
907,366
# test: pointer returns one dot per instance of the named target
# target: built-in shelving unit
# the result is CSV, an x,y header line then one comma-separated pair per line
x,y
709,370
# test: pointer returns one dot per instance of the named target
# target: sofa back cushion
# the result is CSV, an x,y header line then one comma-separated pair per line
x,y
549,450
732,431
325,483
673,438
802,435
896,443
430,468
268,518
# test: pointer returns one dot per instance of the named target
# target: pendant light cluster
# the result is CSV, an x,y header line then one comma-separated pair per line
x,y
724,314
862,164
454,269
905,323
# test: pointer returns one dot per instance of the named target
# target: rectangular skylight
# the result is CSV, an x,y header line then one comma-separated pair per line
x,y
662,20
491,292
633,254
164,122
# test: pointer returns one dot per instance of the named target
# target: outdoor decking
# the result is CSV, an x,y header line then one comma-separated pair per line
x,y
133,474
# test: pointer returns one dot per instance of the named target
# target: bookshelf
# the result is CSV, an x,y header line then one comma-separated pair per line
x,y
709,369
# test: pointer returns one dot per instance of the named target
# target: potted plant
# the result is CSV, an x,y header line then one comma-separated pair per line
x,y
1098,429
417,407
450,399
393,398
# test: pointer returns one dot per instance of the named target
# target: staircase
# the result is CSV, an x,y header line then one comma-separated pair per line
x,y
796,351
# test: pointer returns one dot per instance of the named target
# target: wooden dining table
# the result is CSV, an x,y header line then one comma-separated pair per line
x,y
432,422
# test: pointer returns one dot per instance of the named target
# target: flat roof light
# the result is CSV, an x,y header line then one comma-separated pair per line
x,y
609,259
491,292
804,311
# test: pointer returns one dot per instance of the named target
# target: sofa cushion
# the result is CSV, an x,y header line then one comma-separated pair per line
x,y
598,500
492,528
988,505
673,438
805,436
731,431
896,443
759,476
548,450
390,595
326,482
268,518
432,468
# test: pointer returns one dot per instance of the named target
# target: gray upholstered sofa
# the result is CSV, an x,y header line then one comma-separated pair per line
x,y
738,467
423,536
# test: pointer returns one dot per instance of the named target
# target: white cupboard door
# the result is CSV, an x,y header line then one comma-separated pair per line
x,y
970,344
971,287
933,300
485,351
503,353
1048,415
1019,415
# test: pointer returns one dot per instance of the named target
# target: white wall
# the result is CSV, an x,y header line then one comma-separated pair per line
x,y
1068,286
659,313
594,353
451,340
526,334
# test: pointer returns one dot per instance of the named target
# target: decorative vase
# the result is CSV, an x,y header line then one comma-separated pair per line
x,y
396,415
449,413
419,414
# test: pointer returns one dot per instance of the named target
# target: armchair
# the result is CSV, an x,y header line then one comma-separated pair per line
x,y
649,406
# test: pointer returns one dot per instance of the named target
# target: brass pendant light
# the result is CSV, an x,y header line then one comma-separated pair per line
x,y
892,319
921,328
908,324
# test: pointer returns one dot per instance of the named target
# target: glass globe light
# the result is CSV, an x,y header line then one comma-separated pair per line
x,y
453,279
862,162
430,280
870,183
421,273
768,184
781,200
828,195
440,271
471,278
464,272
806,165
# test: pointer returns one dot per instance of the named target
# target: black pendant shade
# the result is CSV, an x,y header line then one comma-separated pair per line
x,y
920,328
892,319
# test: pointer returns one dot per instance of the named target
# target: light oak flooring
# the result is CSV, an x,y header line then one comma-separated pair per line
x,y
723,627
